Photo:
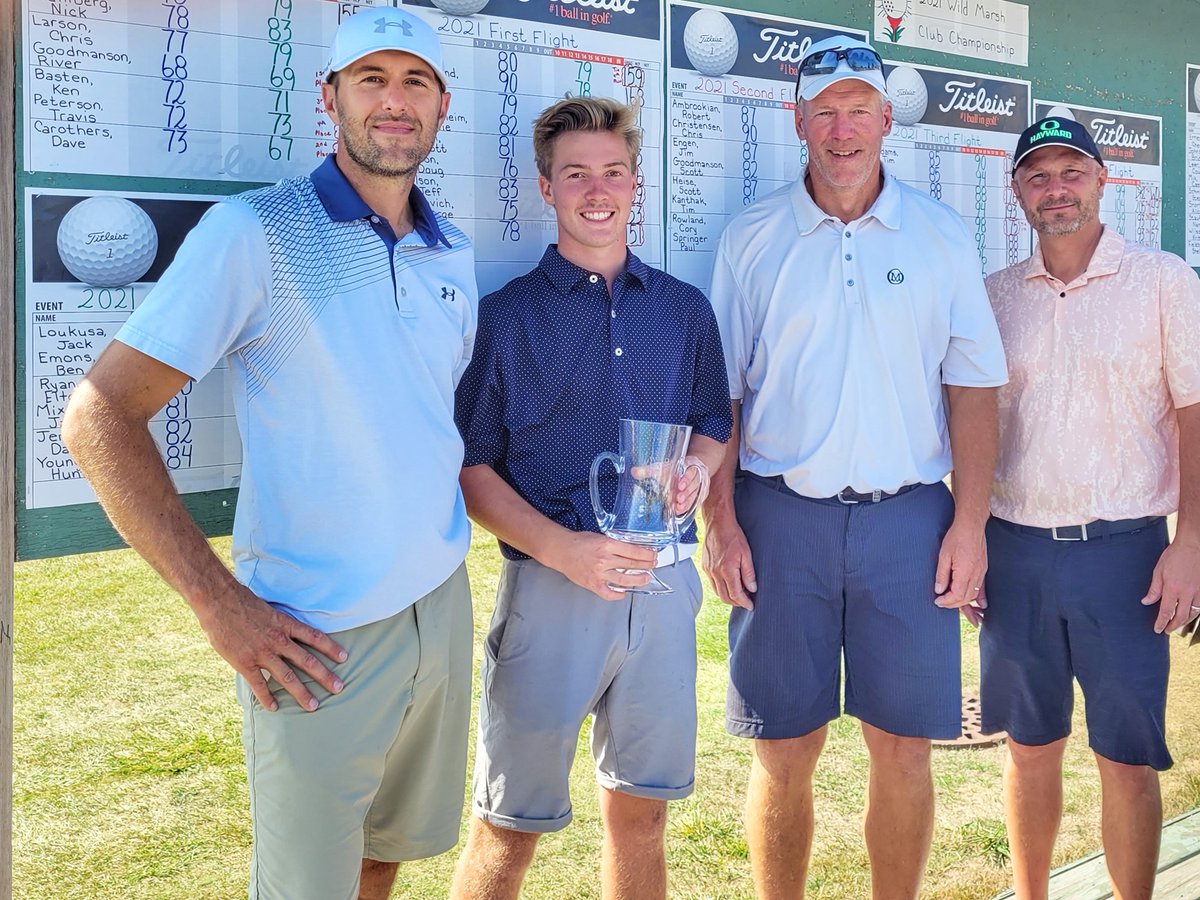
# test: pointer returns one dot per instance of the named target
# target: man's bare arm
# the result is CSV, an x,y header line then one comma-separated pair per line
x,y
974,437
106,428
1175,585
726,555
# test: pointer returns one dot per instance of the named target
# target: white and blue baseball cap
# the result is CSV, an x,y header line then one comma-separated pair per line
x,y
384,28
835,59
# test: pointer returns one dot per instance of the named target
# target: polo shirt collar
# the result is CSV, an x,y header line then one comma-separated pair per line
x,y
885,210
565,275
343,203
1106,260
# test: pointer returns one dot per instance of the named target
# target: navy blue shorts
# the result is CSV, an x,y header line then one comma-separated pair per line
x,y
1061,610
838,580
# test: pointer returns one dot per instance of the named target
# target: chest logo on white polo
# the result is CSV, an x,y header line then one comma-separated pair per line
x,y
895,276
448,293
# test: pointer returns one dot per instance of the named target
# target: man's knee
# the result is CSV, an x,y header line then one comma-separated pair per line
x,y
377,879
630,819
1036,757
488,843
790,759
893,753
1126,777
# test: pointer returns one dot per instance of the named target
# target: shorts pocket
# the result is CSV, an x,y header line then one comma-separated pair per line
x,y
504,630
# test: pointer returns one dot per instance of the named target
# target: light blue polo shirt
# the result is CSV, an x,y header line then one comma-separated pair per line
x,y
344,347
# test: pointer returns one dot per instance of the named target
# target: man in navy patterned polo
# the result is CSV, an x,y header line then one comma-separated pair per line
x,y
590,336
343,309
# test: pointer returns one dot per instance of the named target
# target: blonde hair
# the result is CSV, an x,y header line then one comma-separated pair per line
x,y
584,114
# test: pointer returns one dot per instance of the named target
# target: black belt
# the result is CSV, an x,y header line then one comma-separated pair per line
x,y
846,495
1101,528
849,495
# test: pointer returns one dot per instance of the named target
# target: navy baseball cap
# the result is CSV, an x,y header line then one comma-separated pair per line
x,y
1053,132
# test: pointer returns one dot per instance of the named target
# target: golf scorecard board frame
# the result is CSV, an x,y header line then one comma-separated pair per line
x,y
133,116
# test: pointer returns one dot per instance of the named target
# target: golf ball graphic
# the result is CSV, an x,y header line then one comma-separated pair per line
x,y
906,89
710,42
1196,91
460,7
107,241
1059,112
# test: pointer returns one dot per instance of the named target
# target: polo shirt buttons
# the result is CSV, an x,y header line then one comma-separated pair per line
x,y
374,220
613,313
593,278
618,351
850,282
849,257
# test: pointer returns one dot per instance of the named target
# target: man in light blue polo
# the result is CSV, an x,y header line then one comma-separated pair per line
x,y
863,360
344,308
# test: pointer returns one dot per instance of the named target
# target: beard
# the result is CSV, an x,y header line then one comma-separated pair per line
x,y
1087,209
374,159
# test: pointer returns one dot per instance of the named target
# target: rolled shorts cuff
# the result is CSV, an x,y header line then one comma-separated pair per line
x,y
646,792
515,823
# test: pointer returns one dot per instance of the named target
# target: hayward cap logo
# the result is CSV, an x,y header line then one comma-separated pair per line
x,y
1051,128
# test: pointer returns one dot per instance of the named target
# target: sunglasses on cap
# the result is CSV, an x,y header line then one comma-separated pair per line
x,y
825,62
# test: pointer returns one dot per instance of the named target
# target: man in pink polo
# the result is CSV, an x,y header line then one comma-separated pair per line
x,y
1099,441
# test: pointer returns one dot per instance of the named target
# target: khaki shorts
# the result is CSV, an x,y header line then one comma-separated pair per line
x,y
377,772
556,653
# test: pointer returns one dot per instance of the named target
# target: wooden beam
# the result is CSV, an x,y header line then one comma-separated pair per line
x,y
10,23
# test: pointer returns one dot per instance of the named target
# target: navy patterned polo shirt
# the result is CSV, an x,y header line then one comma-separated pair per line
x,y
558,362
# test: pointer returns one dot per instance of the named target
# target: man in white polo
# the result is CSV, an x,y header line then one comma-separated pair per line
x,y
1099,441
344,309
863,360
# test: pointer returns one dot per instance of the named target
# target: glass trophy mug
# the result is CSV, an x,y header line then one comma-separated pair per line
x,y
650,464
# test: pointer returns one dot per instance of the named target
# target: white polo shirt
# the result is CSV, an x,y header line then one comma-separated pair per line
x,y
343,359
838,337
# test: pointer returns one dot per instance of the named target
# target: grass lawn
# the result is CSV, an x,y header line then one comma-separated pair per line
x,y
129,780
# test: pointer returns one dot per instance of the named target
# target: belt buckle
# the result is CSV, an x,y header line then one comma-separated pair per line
x,y
876,496
1083,535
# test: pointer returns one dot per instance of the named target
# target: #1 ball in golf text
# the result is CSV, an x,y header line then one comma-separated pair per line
x,y
906,89
460,7
107,241
710,42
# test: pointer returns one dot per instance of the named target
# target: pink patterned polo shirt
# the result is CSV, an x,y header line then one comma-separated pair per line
x,y
1097,369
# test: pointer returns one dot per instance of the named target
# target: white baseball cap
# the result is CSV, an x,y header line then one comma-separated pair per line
x,y
384,28
863,67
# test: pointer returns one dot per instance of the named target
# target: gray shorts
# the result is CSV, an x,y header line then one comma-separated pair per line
x,y
377,771
556,653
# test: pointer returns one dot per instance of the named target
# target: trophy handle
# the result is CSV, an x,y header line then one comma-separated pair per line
x,y
603,517
682,522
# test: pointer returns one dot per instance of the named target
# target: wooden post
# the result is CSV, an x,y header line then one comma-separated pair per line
x,y
9,22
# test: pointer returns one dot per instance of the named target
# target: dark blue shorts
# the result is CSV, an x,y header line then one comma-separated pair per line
x,y
838,580
1061,610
